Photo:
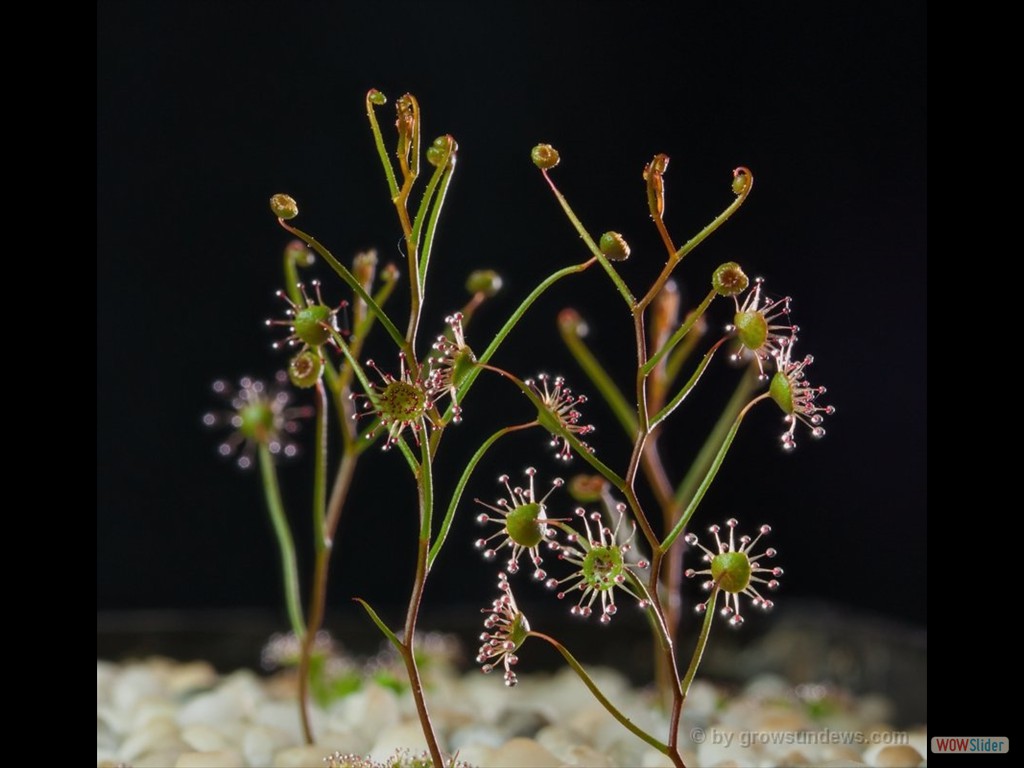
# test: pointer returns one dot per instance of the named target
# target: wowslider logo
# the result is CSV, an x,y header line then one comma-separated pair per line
x,y
971,744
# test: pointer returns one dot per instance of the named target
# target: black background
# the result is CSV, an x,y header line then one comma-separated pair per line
x,y
205,110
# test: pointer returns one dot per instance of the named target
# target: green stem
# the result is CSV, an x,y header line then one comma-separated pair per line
x,y
354,284
321,545
320,469
702,641
410,459
680,355
356,367
600,379
291,278
672,404
426,483
578,225
632,727
289,567
516,316
424,489
449,516
363,327
585,452
682,331
697,239
378,140
391,636
699,467
716,464
435,212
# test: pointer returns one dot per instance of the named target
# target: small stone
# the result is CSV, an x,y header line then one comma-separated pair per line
x,y
522,722
284,716
133,685
702,700
781,719
210,708
768,686
301,757
475,735
106,676
897,756
203,738
655,759
261,742
159,733
150,709
524,753
159,758
557,739
724,745
589,757
839,752
407,735
479,755
106,739
369,710
189,677
793,759
221,758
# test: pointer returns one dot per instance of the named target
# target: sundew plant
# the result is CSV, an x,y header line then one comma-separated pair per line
x,y
590,539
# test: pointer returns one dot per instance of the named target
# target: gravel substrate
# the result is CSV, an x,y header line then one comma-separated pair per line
x,y
158,713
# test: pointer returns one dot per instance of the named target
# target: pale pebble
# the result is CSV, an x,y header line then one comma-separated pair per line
x,y
557,739
595,726
521,722
407,735
768,686
792,759
106,674
701,701
246,688
918,739
588,757
301,757
150,709
897,756
160,758
158,733
220,758
654,759
204,738
284,715
523,753
839,752
483,695
475,735
106,739
347,744
723,745
133,685
371,709
211,708
118,721
775,718
479,755
873,707
345,739
191,676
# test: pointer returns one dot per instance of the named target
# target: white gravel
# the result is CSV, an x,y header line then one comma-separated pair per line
x,y
158,713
